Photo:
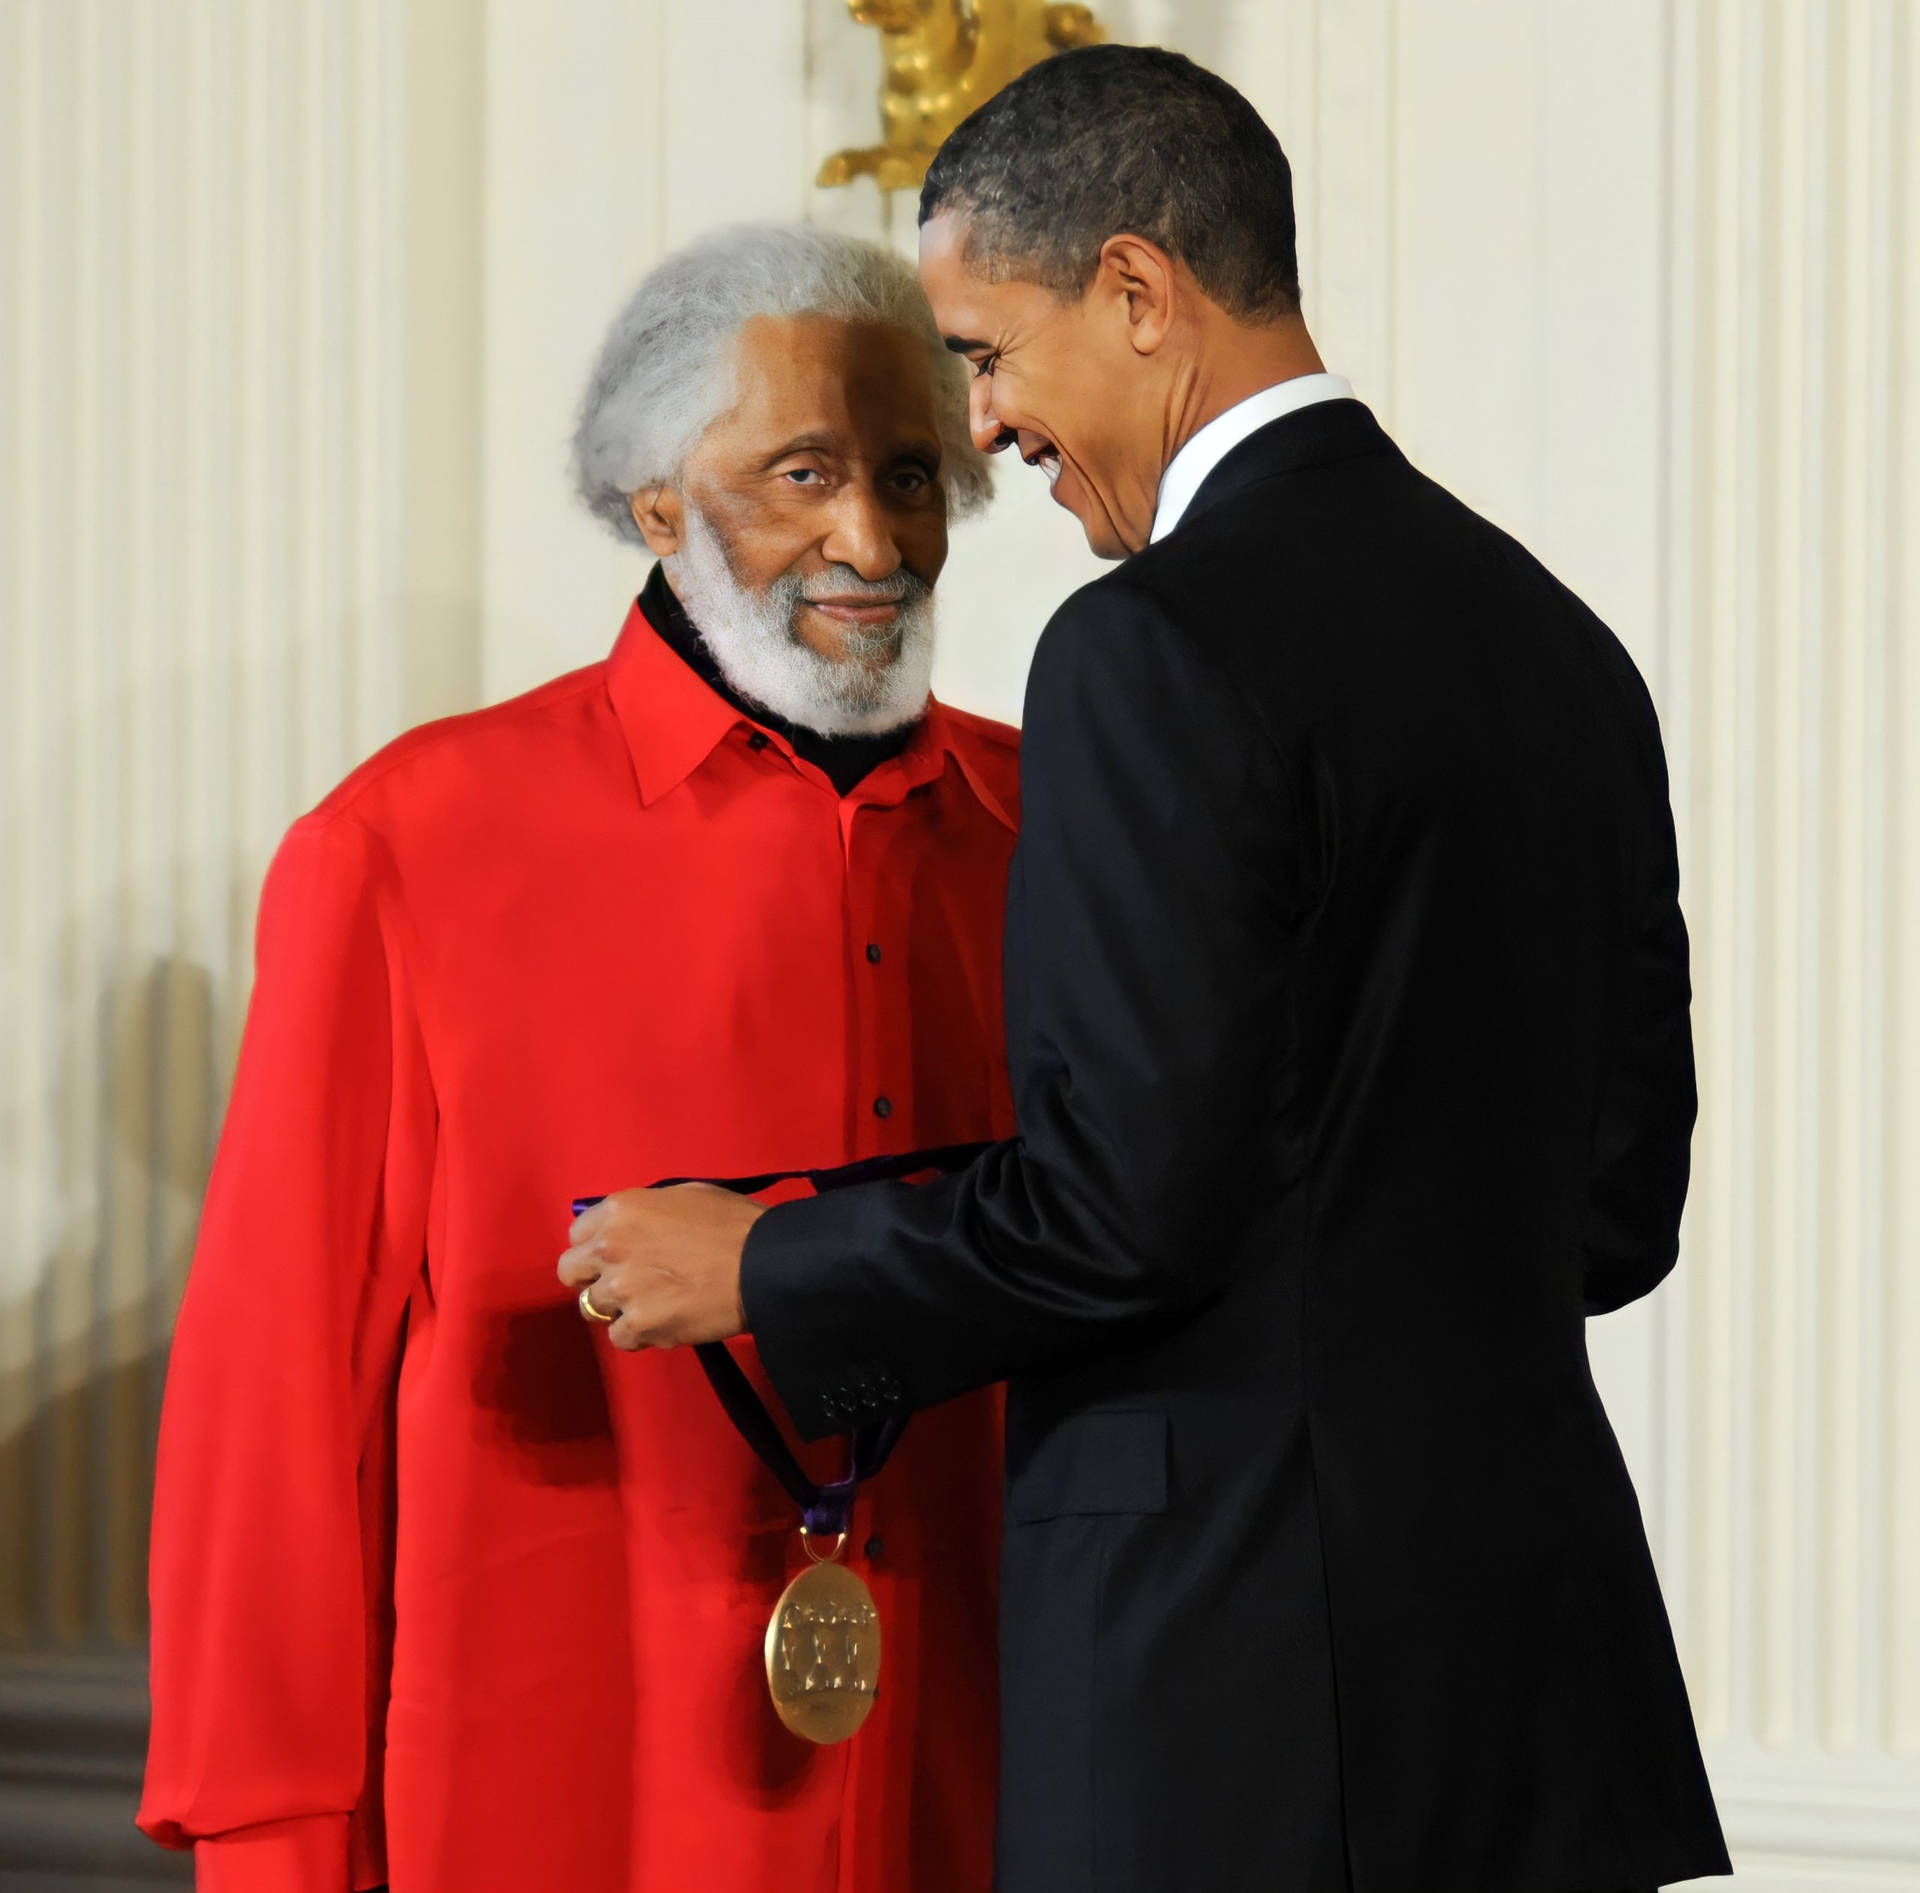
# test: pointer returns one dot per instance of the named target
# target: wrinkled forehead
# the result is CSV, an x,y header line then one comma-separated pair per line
x,y
865,387
973,307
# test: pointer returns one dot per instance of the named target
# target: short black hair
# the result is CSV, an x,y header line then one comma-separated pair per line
x,y
1105,140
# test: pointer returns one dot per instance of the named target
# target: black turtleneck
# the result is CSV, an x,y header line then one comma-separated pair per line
x,y
844,760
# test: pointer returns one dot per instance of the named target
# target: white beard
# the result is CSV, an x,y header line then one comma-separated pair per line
x,y
755,640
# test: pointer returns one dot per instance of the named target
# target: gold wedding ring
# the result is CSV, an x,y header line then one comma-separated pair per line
x,y
589,1310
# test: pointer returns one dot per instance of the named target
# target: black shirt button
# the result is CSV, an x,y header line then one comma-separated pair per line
x,y
873,953
758,740
876,1546
883,1107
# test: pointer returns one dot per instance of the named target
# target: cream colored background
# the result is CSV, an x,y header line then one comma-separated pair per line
x,y
299,295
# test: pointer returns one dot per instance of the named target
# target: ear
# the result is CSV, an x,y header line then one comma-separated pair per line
x,y
661,517
1144,278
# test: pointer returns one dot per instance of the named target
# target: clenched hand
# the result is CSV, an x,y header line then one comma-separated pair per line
x,y
665,1264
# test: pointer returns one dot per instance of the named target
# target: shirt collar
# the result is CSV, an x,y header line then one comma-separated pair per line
x,y
1190,466
946,737
673,722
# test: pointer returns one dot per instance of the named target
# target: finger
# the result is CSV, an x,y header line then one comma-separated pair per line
x,y
591,1221
628,1334
596,1297
580,1266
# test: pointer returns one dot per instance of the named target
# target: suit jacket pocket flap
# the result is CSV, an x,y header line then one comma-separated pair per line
x,y
1093,1463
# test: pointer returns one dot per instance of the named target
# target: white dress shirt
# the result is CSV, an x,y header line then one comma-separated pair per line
x,y
1198,458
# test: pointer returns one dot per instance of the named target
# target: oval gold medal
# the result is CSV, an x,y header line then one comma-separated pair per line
x,y
823,1653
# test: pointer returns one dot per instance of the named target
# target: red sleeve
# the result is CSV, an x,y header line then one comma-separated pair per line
x,y
265,1575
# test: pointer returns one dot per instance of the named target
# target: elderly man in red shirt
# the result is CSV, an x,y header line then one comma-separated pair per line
x,y
446,1591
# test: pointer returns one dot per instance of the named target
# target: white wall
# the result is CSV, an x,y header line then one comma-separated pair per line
x,y
302,296
203,558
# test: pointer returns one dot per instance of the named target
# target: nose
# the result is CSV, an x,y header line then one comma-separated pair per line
x,y
990,433
861,535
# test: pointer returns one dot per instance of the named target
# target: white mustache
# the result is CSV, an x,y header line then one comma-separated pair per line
x,y
842,582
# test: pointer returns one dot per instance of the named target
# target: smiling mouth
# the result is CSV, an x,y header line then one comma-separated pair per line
x,y
1047,458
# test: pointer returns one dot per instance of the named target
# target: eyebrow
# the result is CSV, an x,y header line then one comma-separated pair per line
x,y
965,345
800,444
927,447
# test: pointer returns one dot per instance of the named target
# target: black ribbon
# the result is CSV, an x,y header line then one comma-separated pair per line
x,y
823,1508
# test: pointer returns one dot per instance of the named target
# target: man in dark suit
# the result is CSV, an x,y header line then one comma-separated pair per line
x,y
1347,1006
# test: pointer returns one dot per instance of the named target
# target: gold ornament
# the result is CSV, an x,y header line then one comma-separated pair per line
x,y
943,59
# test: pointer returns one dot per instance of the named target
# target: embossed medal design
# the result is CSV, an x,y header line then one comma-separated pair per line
x,y
823,1653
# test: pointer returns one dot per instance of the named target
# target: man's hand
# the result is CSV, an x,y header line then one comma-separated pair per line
x,y
664,1263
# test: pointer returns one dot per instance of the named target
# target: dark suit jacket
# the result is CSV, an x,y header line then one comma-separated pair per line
x,y
1347,1006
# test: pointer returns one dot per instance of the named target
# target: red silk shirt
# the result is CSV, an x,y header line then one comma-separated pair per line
x,y
447,1590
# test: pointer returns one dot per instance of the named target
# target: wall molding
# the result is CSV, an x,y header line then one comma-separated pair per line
x,y
73,1740
1834,1810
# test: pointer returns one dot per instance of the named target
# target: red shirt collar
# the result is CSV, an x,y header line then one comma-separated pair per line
x,y
673,722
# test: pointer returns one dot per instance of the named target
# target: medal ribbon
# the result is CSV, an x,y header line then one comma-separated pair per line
x,y
824,1509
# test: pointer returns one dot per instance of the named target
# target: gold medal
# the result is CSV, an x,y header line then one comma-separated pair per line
x,y
823,1651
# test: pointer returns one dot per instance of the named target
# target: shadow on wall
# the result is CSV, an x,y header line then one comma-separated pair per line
x,y
82,1364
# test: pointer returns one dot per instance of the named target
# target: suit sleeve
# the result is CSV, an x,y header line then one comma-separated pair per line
x,y
1152,892
266,1578
1644,1130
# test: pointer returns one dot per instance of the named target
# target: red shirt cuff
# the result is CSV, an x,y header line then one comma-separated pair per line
x,y
305,1855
